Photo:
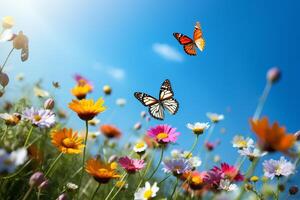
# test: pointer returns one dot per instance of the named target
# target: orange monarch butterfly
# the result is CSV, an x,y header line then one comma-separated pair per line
x,y
165,101
190,45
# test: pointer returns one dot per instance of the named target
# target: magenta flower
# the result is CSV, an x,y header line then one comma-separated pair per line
x,y
131,165
163,134
229,172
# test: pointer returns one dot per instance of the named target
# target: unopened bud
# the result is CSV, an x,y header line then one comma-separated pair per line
x,y
49,104
63,196
36,179
293,190
107,89
44,185
137,126
4,79
273,75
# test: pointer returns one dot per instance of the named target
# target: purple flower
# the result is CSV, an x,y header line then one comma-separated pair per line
x,y
278,168
163,134
39,117
177,166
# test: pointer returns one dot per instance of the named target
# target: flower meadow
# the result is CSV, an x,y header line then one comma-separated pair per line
x,y
42,157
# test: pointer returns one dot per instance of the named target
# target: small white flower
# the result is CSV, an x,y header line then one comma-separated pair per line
x,y
252,153
214,117
227,185
198,128
175,153
241,142
140,147
147,192
121,102
72,186
195,161
94,135
278,168
10,161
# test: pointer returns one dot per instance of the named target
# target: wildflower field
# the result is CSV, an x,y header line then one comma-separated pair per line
x,y
71,135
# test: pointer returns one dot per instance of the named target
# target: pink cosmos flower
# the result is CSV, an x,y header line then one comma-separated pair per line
x,y
163,134
131,165
229,172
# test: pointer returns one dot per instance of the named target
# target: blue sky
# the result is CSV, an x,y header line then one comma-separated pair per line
x,y
101,39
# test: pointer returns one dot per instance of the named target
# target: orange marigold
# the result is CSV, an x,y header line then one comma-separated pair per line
x,y
67,141
272,138
102,172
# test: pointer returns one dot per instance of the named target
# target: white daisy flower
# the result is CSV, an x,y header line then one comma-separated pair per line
x,y
226,185
94,121
241,142
214,117
10,161
252,153
147,192
198,128
278,168
140,147
195,161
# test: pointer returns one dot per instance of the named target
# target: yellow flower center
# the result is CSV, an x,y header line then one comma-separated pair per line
x,y
68,142
214,119
103,171
162,136
148,194
140,145
196,180
242,143
198,130
37,118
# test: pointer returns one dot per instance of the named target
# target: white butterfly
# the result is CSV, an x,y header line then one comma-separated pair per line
x,y
165,101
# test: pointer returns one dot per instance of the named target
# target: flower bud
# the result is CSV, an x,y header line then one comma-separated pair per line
x,y
20,41
107,89
137,126
293,190
63,196
36,179
273,75
7,22
254,179
44,185
49,104
4,80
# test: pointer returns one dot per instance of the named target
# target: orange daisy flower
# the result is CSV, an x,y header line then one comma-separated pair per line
x,y
101,172
110,131
87,109
67,141
80,91
272,138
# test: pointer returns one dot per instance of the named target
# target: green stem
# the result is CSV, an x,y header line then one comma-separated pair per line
x,y
28,136
262,100
111,191
160,159
4,134
84,152
248,175
6,59
175,187
27,193
120,188
53,164
148,167
160,182
193,147
92,197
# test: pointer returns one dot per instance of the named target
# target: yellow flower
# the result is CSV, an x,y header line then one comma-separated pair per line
x,y
80,91
254,178
101,172
87,109
7,22
67,141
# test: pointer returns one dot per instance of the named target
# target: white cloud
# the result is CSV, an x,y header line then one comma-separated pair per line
x,y
114,72
167,52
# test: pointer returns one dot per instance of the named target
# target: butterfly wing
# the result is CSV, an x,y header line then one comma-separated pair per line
x,y
156,110
166,97
188,43
198,37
